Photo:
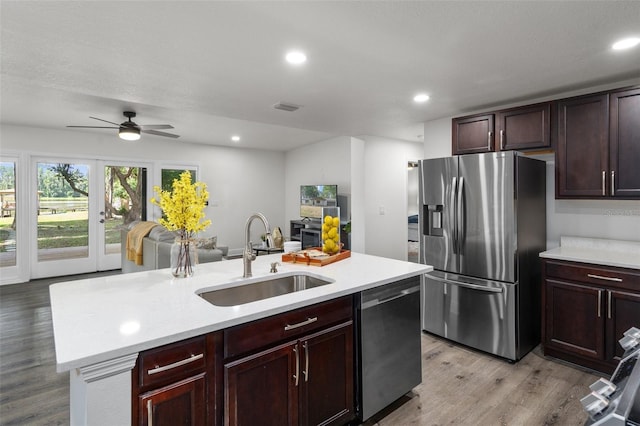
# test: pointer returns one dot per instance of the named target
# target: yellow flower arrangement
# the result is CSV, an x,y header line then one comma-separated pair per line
x,y
183,209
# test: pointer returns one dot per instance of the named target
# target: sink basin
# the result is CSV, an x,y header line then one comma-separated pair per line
x,y
263,289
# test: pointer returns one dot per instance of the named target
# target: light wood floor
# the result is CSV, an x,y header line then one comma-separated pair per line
x,y
460,386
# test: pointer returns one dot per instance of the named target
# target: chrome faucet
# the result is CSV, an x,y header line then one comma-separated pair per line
x,y
248,256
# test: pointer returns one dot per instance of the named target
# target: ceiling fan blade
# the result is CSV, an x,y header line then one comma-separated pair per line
x,y
110,122
96,127
153,132
155,126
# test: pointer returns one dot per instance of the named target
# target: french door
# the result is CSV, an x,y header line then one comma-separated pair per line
x,y
78,207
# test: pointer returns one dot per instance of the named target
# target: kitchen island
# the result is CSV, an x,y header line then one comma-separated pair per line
x,y
102,324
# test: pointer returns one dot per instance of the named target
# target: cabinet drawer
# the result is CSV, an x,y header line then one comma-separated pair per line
x,y
268,331
598,275
172,362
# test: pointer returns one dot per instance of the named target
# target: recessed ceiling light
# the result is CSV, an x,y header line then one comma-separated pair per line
x,y
296,57
421,97
235,138
626,43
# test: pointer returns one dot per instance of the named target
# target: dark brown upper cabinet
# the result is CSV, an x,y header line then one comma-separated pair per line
x,y
598,152
624,143
520,128
524,127
472,134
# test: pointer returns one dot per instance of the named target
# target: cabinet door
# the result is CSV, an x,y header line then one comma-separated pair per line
x,y
262,388
583,147
623,312
625,144
326,392
574,319
524,128
472,134
181,403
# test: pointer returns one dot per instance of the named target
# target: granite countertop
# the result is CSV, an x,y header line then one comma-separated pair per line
x,y
622,254
103,318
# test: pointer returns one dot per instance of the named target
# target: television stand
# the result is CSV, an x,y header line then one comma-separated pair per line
x,y
296,226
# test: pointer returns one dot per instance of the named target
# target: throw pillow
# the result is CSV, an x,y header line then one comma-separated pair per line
x,y
207,243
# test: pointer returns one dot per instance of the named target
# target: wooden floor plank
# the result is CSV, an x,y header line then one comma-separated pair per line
x,y
460,386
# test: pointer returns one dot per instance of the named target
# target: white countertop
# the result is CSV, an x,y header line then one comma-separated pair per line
x,y
622,254
99,319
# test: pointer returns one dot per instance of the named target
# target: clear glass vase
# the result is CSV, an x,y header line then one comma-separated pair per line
x,y
183,258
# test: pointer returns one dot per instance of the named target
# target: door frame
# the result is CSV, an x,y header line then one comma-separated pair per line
x,y
105,262
62,266
18,272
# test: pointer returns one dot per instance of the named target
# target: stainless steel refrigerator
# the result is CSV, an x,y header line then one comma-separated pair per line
x,y
482,226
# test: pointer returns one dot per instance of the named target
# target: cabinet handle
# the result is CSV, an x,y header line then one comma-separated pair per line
x,y
489,135
608,304
604,184
501,140
149,413
599,303
613,183
600,277
306,362
295,376
175,364
300,324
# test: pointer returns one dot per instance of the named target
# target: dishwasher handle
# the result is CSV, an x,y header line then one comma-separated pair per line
x,y
403,293
467,285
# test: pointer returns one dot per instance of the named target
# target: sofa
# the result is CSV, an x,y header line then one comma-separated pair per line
x,y
156,250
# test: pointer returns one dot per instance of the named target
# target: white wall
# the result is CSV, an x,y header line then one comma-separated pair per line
x,y
240,181
358,217
386,195
323,163
373,171
437,138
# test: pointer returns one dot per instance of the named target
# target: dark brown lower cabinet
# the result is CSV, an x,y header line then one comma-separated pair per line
x,y
308,381
587,308
182,403
293,368
173,384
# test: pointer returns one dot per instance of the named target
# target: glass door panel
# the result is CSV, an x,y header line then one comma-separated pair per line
x,y
63,211
125,201
64,234
8,210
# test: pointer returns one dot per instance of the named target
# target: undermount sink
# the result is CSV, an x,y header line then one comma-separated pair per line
x,y
263,289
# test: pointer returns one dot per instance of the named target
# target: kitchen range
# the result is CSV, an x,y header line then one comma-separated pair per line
x,y
482,221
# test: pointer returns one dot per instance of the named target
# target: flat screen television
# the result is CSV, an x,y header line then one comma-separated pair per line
x,y
314,197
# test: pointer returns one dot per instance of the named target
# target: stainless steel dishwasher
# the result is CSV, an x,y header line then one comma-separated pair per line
x,y
388,352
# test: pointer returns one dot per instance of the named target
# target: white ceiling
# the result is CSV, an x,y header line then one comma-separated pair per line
x,y
213,69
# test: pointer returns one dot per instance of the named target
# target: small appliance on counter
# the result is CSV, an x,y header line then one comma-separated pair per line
x,y
617,401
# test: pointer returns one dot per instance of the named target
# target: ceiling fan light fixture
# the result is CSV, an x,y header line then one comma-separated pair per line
x,y
129,133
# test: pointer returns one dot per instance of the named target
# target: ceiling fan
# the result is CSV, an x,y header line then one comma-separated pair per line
x,y
130,131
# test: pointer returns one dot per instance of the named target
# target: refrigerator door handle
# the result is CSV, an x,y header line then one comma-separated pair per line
x,y
460,216
453,210
467,285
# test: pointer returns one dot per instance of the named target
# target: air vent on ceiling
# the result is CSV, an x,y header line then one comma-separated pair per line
x,y
284,106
